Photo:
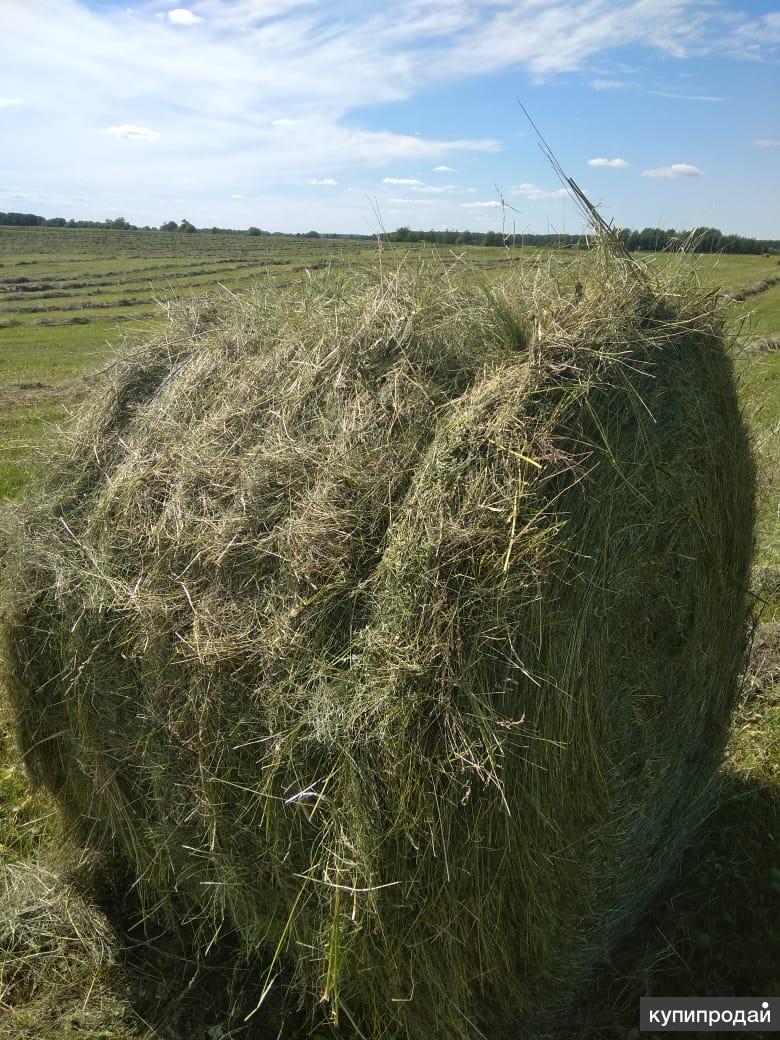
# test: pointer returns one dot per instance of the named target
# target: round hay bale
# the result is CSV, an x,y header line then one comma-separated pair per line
x,y
397,621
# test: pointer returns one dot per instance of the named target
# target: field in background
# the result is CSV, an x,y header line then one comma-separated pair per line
x,y
66,295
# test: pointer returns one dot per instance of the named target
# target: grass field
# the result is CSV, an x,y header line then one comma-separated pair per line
x,y
67,296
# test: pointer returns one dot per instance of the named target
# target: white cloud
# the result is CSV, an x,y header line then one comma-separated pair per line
x,y
613,164
236,196
443,189
608,84
767,142
183,16
531,191
614,84
413,202
216,93
550,38
386,145
683,97
492,204
675,170
134,133
245,15
443,169
325,181
752,37
9,102
406,181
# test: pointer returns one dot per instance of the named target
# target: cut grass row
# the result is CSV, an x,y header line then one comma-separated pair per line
x,y
20,306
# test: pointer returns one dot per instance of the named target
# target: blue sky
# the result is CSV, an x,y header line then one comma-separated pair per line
x,y
299,114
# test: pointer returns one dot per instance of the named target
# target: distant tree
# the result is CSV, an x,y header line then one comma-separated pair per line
x,y
707,240
312,234
187,227
254,231
169,225
20,219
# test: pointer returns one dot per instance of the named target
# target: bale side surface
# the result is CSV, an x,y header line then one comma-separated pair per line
x,y
398,622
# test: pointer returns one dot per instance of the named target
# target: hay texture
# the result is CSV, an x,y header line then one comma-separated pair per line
x,y
59,962
396,621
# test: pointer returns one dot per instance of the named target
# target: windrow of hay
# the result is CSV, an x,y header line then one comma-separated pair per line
x,y
754,288
59,962
43,928
396,622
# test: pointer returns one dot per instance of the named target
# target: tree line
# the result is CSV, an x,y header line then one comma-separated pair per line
x,y
121,224
700,239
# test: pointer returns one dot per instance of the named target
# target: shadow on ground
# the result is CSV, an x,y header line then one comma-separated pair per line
x,y
714,930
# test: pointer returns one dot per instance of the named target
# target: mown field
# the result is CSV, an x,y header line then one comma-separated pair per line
x,y
67,297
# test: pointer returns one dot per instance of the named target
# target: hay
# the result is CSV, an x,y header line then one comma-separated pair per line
x,y
397,622
44,929
59,971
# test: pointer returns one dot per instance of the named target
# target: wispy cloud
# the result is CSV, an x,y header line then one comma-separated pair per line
x,y
608,84
10,102
324,181
133,133
612,164
224,83
613,84
684,97
405,181
752,37
183,16
440,189
531,191
767,142
492,204
443,169
675,170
